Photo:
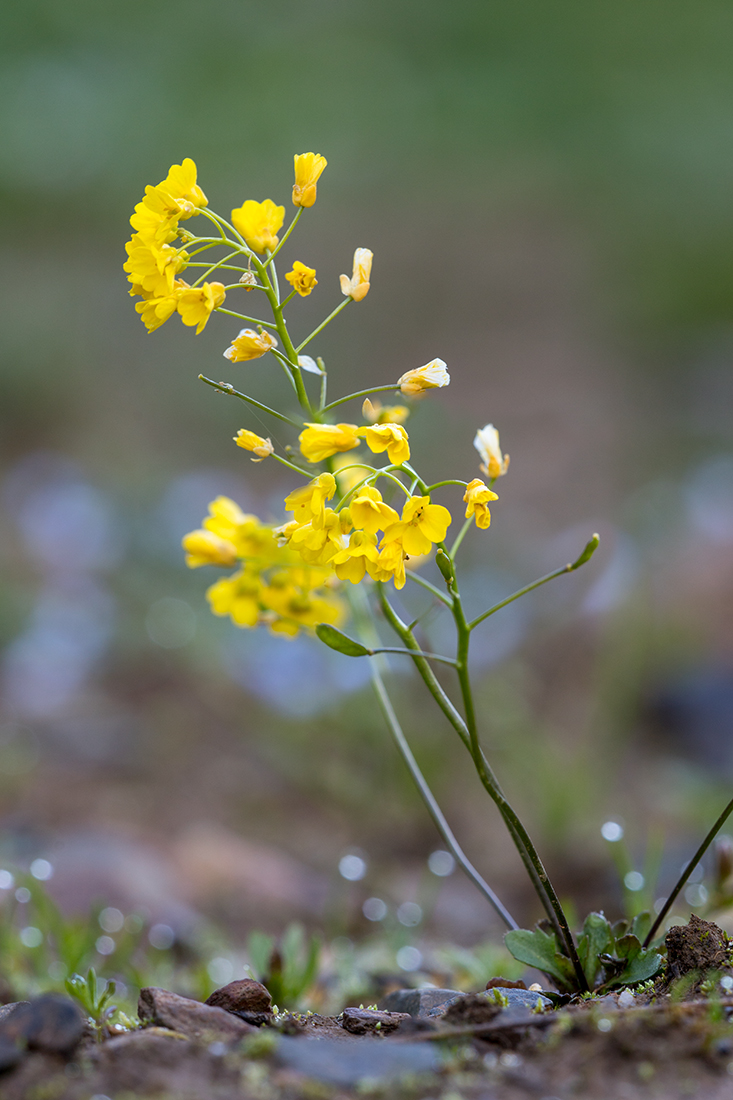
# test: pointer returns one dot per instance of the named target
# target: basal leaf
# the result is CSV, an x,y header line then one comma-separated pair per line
x,y
539,949
595,939
639,968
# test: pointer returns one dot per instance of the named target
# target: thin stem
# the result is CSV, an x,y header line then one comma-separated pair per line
x,y
323,324
269,278
430,587
289,298
461,729
460,537
516,595
228,388
292,466
491,784
415,653
687,872
219,222
324,382
369,634
450,481
359,393
288,231
214,267
242,317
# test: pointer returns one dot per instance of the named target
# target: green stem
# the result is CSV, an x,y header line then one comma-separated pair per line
x,y
440,484
460,537
369,635
324,383
688,871
430,587
359,393
415,653
269,279
242,317
292,466
288,231
214,267
455,719
228,388
491,784
323,324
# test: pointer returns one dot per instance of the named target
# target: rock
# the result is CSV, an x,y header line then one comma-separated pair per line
x,y
699,945
52,1022
10,1053
205,1023
245,998
8,1009
419,1002
359,1021
346,1063
474,1008
504,983
434,1003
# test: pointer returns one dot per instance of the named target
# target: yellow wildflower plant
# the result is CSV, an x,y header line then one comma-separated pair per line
x,y
421,525
321,441
357,287
289,577
377,413
433,375
493,463
259,222
196,304
308,169
391,438
369,512
477,497
249,345
302,278
250,441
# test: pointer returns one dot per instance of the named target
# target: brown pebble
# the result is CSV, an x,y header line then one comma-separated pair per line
x,y
504,983
699,945
244,995
359,1021
206,1023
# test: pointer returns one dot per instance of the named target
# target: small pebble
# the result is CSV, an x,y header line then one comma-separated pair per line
x,y
626,999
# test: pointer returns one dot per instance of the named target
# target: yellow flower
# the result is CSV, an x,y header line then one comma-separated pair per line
x,y
180,184
319,540
152,268
360,556
391,438
357,287
251,538
377,413
421,525
477,498
154,312
311,500
196,303
295,608
156,217
249,345
237,596
494,463
258,222
432,375
302,278
206,548
370,513
261,448
319,441
391,564
308,168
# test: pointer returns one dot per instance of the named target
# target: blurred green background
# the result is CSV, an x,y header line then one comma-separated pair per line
x,y
546,187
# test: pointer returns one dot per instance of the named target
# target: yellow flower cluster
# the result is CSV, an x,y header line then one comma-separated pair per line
x,y
153,264
319,533
274,585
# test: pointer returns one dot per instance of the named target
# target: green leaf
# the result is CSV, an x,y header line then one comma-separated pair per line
x,y
641,924
259,949
639,968
595,940
539,949
340,642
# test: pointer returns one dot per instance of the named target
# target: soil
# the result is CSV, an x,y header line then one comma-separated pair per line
x,y
671,1040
